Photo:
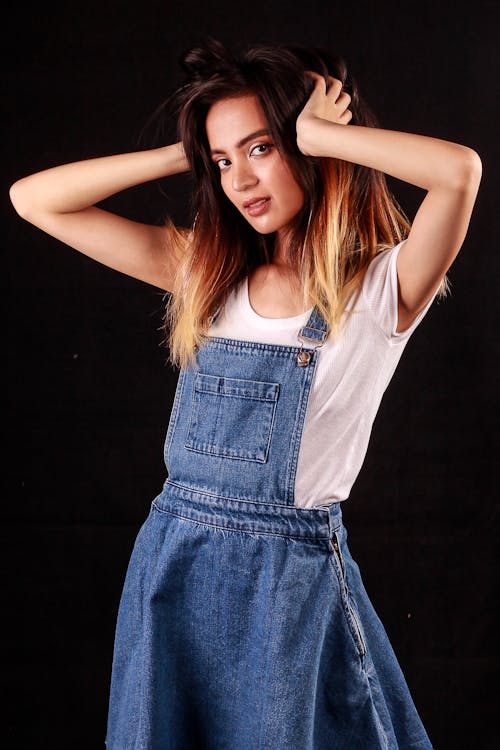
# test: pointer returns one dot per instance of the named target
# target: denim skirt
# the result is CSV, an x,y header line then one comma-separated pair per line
x,y
243,622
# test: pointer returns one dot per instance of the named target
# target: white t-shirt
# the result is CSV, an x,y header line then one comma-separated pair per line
x,y
350,379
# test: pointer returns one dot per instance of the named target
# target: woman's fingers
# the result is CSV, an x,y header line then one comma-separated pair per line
x,y
334,86
345,117
341,98
328,100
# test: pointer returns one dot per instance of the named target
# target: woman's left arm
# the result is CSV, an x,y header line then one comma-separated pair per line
x,y
451,174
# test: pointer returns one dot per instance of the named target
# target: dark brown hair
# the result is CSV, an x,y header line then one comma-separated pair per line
x,y
348,215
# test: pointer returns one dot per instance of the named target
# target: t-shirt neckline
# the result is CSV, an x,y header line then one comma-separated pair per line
x,y
261,322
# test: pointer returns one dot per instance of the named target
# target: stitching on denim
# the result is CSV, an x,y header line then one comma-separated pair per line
x,y
299,420
278,350
242,531
209,447
346,606
174,414
208,493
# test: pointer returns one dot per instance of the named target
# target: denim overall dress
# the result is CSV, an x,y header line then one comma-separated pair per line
x,y
243,622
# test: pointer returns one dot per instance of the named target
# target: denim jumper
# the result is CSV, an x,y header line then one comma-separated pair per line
x,y
243,622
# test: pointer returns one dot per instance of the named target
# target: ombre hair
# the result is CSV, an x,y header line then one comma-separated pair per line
x,y
349,215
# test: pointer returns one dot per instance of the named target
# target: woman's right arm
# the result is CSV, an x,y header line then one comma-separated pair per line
x,y
60,201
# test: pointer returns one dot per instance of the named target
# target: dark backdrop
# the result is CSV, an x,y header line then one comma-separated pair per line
x,y
90,391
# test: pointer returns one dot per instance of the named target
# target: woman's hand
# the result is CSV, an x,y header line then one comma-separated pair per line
x,y
331,105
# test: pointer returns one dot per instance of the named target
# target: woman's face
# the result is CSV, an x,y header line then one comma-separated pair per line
x,y
254,175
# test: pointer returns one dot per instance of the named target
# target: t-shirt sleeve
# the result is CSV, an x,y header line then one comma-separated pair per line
x,y
380,292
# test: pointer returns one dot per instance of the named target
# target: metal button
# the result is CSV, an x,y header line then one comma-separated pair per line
x,y
303,358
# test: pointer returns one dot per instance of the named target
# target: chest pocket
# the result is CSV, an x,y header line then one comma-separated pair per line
x,y
232,417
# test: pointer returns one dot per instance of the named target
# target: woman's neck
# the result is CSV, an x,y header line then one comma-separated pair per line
x,y
281,257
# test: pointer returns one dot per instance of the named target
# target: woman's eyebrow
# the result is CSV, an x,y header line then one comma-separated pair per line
x,y
240,144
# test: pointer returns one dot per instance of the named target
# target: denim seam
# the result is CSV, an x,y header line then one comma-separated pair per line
x,y
299,421
208,493
346,606
241,531
174,414
277,350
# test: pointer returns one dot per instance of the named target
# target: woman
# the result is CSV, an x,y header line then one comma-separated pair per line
x,y
244,622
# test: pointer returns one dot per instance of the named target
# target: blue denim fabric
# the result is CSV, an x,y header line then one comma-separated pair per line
x,y
243,622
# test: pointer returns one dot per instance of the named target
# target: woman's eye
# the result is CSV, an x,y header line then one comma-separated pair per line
x,y
261,148
220,163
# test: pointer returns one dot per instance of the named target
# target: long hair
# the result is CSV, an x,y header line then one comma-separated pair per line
x,y
349,215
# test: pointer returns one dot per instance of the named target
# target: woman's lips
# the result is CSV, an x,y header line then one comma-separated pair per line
x,y
258,206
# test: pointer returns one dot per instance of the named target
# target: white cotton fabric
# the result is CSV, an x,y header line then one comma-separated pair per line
x,y
350,379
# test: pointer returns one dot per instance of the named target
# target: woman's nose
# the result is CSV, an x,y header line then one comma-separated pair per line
x,y
242,176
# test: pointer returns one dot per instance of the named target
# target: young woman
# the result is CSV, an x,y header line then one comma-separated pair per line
x,y
244,623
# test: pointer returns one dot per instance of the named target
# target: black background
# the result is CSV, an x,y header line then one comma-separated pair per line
x,y
89,390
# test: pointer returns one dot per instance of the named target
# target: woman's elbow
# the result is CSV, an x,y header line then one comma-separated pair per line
x,y
19,198
469,170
